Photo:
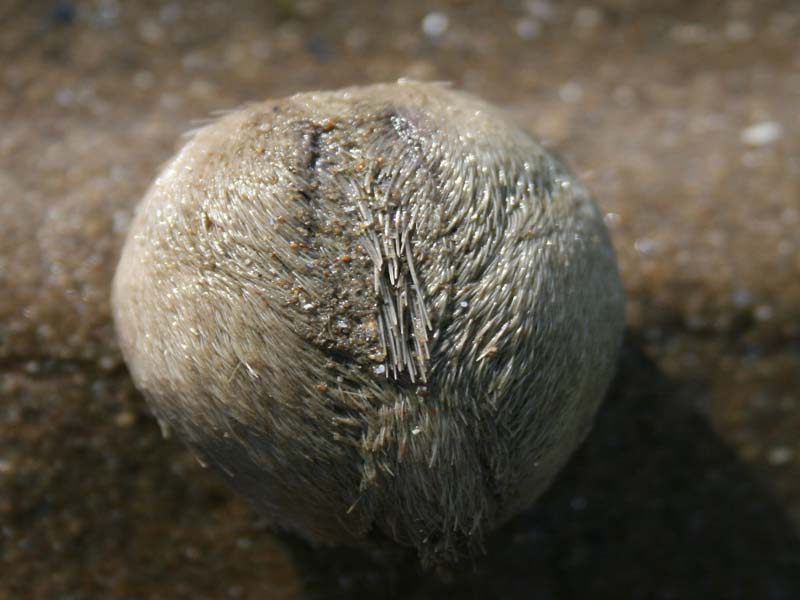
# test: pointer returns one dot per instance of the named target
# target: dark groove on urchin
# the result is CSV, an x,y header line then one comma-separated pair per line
x,y
311,137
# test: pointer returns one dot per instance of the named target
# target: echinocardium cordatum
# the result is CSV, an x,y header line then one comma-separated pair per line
x,y
380,312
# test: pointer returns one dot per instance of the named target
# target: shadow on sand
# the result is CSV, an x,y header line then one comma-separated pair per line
x,y
654,505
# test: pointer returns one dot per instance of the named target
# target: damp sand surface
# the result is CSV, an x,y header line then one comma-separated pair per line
x,y
682,118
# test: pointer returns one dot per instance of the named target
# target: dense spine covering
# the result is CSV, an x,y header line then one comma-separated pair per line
x,y
379,312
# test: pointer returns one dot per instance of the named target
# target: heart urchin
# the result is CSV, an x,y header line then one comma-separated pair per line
x,y
382,311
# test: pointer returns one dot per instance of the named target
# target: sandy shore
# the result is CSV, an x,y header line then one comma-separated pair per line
x,y
681,116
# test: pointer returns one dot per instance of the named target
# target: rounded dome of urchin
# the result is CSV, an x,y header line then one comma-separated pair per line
x,y
382,311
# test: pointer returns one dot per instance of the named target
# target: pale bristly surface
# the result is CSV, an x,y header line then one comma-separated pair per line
x,y
380,312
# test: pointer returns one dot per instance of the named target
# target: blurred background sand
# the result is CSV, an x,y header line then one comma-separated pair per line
x,y
682,116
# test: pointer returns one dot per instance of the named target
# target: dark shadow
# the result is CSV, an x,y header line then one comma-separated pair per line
x,y
654,505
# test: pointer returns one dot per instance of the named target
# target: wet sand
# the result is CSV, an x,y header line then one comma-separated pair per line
x,y
681,116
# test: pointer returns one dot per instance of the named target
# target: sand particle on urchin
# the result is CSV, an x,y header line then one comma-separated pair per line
x,y
382,312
